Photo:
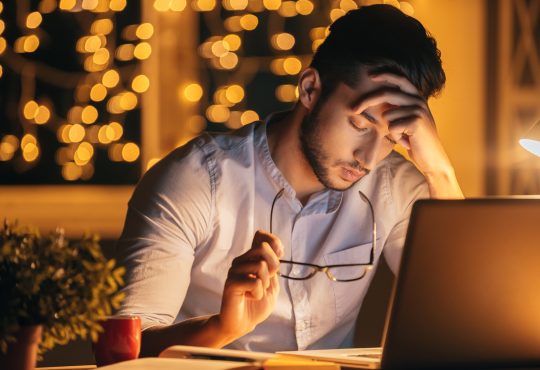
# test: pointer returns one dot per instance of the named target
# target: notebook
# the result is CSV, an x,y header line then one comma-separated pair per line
x,y
468,290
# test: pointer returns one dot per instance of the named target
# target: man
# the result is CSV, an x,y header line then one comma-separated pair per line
x,y
208,225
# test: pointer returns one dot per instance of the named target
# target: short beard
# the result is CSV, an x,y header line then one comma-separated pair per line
x,y
310,139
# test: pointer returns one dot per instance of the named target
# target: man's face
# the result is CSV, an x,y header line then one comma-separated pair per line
x,y
341,144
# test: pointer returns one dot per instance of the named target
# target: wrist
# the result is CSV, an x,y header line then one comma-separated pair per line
x,y
224,333
443,184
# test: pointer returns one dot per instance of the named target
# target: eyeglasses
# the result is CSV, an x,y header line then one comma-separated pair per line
x,y
341,273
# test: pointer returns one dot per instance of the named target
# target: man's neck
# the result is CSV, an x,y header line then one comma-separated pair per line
x,y
286,151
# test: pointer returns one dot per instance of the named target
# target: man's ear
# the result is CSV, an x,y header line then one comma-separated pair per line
x,y
309,88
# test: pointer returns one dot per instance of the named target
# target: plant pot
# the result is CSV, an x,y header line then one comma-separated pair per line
x,y
22,354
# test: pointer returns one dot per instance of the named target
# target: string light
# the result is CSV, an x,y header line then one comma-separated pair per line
x,y
115,89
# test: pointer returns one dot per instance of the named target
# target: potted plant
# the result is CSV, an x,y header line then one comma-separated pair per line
x,y
51,291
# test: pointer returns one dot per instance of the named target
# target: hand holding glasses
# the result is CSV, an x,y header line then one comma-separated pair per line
x,y
341,273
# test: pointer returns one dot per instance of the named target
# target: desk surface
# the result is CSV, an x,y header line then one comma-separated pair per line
x,y
78,367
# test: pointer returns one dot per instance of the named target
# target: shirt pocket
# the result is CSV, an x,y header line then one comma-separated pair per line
x,y
349,295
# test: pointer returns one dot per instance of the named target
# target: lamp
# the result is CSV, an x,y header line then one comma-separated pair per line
x,y
531,141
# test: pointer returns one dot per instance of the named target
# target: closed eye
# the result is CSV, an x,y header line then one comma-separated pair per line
x,y
357,127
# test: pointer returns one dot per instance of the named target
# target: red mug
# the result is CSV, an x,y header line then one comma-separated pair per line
x,y
119,341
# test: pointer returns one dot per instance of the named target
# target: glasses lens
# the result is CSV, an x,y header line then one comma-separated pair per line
x,y
348,272
295,271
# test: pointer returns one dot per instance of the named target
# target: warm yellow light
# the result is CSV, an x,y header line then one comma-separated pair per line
x,y
84,152
292,65
1,7
117,5
232,24
3,45
92,44
193,92
130,152
42,115
28,139
204,5
101,56
394,3
30,152
71,172
304,7
12,140
177,5
151,163
145,31
114,131
217,113
142,51
61,156
63,133
255,6
128,100
98,92
33,20
286,93
29,110
76,133
110,78
272,4
1,70
220,97
288,9
228,61
105,134
234,94
283,41
235,4
249,22
115,152
8,146
315,44
30,43
276,66
90,4
47,6
348,5
89,114
102,26
234,120
2,26
67,4
220,48
140,83
234,42
113,105
248,117
406,8
125,52
335,14
74,114
161,5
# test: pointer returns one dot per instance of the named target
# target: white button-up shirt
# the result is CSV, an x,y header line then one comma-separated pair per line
x,y
199,207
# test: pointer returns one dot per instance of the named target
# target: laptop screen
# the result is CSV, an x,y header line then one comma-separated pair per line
x,y
468,290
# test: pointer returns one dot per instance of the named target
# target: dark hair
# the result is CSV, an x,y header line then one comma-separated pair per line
x,y
384,39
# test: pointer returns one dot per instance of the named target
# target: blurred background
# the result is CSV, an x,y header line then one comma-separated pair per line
x,y
94,92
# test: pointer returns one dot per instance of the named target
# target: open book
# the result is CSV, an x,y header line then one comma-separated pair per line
x,y
202,358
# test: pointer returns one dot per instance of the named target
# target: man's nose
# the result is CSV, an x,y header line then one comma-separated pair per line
x,y
368,155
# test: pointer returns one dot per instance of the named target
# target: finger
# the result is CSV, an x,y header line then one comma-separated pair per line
x,y
251,287
257,253
402,82
396,114
387,95
273,289
258,269
274,242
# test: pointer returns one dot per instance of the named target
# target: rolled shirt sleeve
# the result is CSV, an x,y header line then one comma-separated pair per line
x,y
168,216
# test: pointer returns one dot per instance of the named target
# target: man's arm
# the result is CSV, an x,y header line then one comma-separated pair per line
x,y
249,296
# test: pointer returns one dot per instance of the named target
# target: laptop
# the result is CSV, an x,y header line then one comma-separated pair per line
x,y
468,290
